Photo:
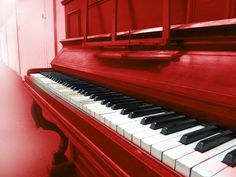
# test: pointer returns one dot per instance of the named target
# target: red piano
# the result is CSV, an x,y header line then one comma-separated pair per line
x,y
142,88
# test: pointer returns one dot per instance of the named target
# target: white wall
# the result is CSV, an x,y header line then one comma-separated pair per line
x,y
3,46
60,23
35,33
11,39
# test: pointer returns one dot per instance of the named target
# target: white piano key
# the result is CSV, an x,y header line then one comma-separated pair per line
x,y
66,91
126,125
186,163
89,109
96,109
170,156
93,106
80,100
117,123
135,128
46,80
122,120
52,87
36,75
100,113
146,143
55,86
137,137
158,148
106,118
226,172
116,118
106,115
211,166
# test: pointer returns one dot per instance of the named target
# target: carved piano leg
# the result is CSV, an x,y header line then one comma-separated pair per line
x,y
61,165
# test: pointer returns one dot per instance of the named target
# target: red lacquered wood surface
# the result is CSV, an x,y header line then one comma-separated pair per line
x,y
200,84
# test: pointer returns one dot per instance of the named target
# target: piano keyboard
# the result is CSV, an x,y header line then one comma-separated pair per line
x,y
192,148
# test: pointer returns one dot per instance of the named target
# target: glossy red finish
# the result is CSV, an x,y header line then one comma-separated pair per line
x,y
120,50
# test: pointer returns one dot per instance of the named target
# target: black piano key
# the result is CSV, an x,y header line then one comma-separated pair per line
x,y
71,81
230,158
145,112
124,105
198,134
167,122
179,126
102,97
89,93
110,103
103,93
84,88
134,106
75,88
150,119
96,89
128,110
95,93
214,141
64,83
105,101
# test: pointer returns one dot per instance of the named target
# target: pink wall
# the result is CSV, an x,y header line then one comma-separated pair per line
x,y
3,45
11,38
60,16
35,32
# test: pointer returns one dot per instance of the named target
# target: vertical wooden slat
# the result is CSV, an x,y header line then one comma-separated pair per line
x,y
114,20
55,26
233,9
166,22
190,11
85,20
227,8
133,24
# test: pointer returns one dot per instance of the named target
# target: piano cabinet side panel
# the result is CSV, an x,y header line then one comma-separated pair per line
x,y
98,148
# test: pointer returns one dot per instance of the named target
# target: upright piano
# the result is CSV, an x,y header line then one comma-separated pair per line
x,y
142,89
